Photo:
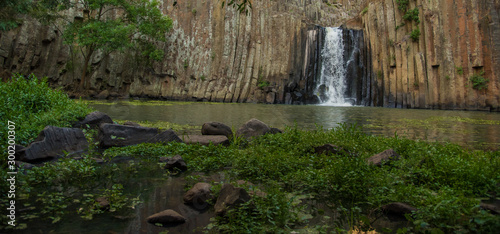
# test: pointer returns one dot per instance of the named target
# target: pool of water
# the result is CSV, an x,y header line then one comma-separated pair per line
x,y
470,128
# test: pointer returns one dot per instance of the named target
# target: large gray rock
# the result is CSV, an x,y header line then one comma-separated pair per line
x,y
384,156
54,142
253,128
115,135
166,217
176,162
206,139
216,128
198,195
93,120
398,208
229,197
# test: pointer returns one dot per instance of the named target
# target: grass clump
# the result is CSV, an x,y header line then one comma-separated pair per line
x,y
479,82
32,104
441,180
415,35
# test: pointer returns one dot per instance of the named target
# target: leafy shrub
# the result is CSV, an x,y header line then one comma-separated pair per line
x,y
412,15
479,82
415,34
31,104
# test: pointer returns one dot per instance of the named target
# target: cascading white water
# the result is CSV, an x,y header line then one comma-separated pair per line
x,y
332,83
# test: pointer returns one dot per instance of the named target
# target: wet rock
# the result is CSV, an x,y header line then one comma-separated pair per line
x,y
130,123
54,142
103,203
253,128
387,155
24,165
115,135
254,191
216,128
102,95
332,149
98,160
94,120
198,195
164,137
206,139
270,98
229,197
493,208
274,131
166,217
19,151
398,208
176,162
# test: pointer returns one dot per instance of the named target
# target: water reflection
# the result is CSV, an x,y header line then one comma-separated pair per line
x,y
465,127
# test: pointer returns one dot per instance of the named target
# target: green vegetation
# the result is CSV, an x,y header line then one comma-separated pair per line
x,y
479,82
441,180
415,34
186,64
240,5
263,84
460,70
409,15
364,11
403,5
380,75
302,190
32,105
9,12
141,26
412,15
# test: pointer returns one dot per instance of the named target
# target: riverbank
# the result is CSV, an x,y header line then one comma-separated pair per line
x,y
293,184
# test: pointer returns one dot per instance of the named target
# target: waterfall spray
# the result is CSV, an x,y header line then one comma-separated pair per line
x,y
331,87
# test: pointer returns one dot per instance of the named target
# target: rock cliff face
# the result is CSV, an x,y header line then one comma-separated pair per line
x,y
271,54
212,53
458,39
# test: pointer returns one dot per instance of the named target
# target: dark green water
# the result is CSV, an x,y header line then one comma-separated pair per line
x,y
475,129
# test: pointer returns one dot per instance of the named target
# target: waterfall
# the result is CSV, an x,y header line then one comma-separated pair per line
x,y
331,86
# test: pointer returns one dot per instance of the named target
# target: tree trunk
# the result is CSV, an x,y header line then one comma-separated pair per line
x,y
83,82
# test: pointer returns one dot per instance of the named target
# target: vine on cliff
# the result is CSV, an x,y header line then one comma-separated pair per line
x,y
409,15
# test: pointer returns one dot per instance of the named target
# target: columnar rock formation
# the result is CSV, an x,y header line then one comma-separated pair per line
x,y
212,53
270,54
458,39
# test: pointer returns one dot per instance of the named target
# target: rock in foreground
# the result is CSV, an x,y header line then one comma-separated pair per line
x,y
166,217
387,155
54,142
198,195
216,128
230,196
116,135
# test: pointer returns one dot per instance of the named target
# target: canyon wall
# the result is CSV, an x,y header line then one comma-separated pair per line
x,y
271,54
213,53
459,39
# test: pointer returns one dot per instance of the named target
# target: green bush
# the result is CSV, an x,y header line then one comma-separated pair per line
x,y
31,104
415,34
412,15
479,82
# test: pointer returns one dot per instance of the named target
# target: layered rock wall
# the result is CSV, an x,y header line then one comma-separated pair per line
x,y
459,38
212,53
271,54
